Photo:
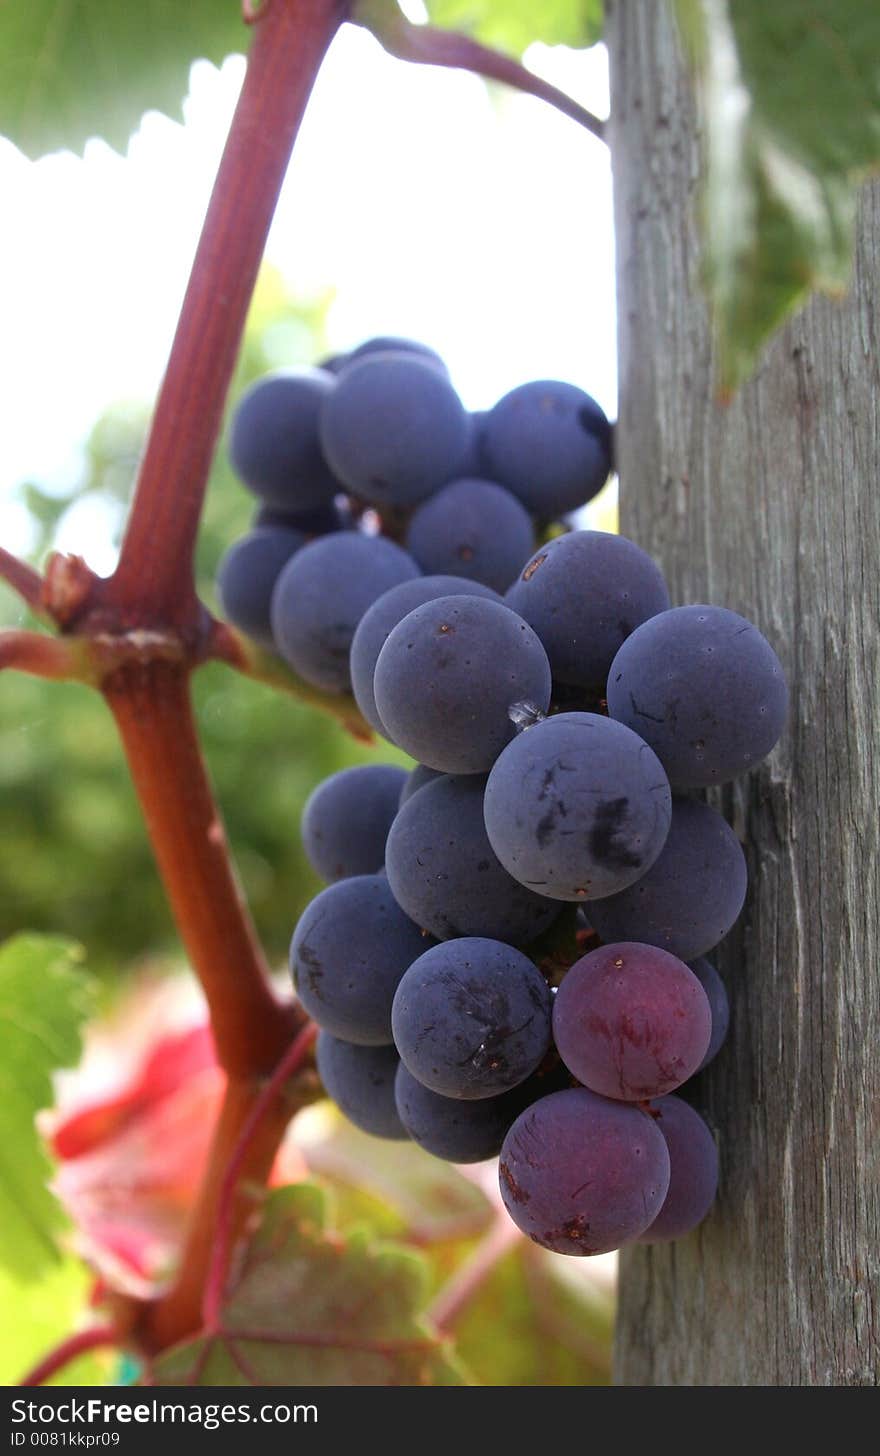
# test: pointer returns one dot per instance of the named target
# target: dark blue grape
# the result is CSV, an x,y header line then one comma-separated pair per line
x,y
360,1080
719,1005
691,895
444,874
247,575
333,363
473,462
348,954
393,429
582,1175
549,443
417,780
693,1171
320,521
460,1132
346,820
273,440
475,529
390,344
584,593
471,1018
322,594
631,1021
380,620
576,808
704,688
448,675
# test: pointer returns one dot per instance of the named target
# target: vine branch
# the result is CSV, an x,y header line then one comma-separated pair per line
x,y
23,579
430,46
154,578
287,1068
97,1338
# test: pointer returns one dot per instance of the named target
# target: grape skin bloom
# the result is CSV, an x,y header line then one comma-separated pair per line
x,y
360,1080
581,1174
692,894
349,951
631,1021
471,1018
576,808
704,688
448,675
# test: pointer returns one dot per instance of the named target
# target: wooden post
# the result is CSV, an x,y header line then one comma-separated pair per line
x,y
772,507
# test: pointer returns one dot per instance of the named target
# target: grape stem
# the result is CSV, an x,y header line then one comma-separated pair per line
x,y
428,45
97,1338
23,579
287,1068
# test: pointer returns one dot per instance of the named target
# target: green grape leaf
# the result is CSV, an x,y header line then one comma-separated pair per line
x,y
44,999
789,94
515,24
74,69
309,1307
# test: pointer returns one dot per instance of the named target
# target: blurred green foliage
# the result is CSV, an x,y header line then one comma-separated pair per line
x,y
77,860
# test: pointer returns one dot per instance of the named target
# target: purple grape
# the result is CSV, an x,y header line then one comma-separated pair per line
x,y
393,429
273,439
473,529
382,617
346,820
693,1171
447,1127
704,688
391,344
444,873
584,593
691,895
631,1021
247,575
348,954
360,1080
719,1006
471,1018
320,521
448,675
416,780
582,1175
321,595
577,807
549,443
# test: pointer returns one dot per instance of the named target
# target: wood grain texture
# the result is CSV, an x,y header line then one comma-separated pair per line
x,y
772,507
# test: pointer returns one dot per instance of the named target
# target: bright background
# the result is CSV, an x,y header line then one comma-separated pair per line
x,y
419,202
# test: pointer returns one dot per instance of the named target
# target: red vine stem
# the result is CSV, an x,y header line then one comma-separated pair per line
x,y
22,578
43,656
223,1237
154,578
152,708
94,1339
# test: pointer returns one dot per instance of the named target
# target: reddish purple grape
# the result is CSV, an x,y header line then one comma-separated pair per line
x,y
631,1021
719,1006
693,1171
582,1175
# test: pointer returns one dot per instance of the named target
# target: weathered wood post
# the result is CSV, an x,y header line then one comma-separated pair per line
x,y
770,506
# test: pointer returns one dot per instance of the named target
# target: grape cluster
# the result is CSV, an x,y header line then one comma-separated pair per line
x,y
370,474
508,958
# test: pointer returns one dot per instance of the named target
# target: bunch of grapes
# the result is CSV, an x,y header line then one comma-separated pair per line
x,y
560,731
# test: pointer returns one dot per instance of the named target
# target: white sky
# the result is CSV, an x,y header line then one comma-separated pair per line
x,y
477,221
